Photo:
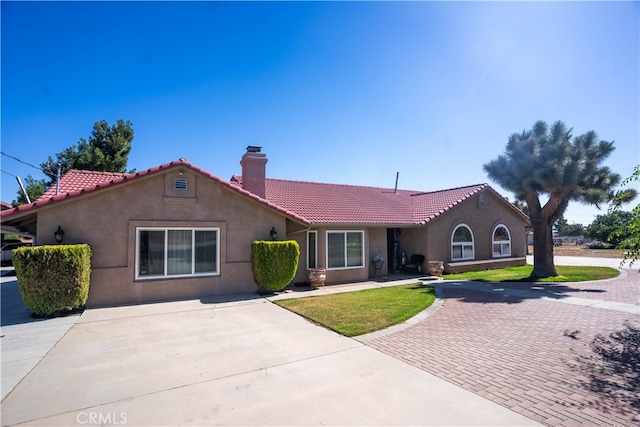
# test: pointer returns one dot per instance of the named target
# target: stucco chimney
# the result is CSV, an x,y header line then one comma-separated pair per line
x,y
254,170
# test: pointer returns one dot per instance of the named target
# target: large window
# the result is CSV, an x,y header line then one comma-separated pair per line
x,y
176,252
501,241
345,249
462,243
312,247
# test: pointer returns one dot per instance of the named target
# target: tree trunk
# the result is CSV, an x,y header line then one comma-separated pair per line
x,y
543,265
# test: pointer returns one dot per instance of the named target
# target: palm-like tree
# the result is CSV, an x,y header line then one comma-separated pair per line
x,y
550,161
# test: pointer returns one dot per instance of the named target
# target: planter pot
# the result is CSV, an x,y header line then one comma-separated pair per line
x,y
317,276
436,268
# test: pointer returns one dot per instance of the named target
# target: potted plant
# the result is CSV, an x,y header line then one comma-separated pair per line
x,y
317,276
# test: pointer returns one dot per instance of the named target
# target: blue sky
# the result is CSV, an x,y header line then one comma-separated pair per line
x,y
333,91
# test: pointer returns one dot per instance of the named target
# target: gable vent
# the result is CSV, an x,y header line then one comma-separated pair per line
x,y
180,184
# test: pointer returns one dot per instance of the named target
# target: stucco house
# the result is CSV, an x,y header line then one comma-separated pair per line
x,y
176,231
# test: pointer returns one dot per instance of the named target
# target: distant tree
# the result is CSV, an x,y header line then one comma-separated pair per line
x,y
550,161
520,204
629,246
106,150
34,188
563,228
604,227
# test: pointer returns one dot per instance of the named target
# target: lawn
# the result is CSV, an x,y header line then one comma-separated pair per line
x,y
521,274
361,312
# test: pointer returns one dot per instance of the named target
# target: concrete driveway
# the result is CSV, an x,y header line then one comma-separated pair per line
x,y
239,361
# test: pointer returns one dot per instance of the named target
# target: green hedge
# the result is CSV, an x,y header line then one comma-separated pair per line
x,y
274,263
52,279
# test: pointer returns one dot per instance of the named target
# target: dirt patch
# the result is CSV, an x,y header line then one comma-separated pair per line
x,y
579,250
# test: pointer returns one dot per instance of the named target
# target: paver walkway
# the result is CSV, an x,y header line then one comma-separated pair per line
x,y
522,346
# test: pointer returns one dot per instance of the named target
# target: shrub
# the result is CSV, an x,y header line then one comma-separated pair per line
x,y
274,263
53,278
600,245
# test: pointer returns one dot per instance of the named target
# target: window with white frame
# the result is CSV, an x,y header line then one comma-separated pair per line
x,y
501,241
462,243
312,248
345,249
177,252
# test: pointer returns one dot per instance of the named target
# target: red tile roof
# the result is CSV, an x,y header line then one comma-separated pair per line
x,y
305,202
349,204
78,179
345,204
74,186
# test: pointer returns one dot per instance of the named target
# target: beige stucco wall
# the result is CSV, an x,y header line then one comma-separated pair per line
x,y
482,218
375,242
434,240
107,221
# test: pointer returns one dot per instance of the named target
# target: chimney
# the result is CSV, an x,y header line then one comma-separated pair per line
x,y
254,171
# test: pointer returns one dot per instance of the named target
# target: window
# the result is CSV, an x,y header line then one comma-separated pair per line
x,y
345,249
501,241
176,252
312,248
462,243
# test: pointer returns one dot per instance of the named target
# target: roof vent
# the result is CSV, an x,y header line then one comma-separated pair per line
x,y
254,149
180,184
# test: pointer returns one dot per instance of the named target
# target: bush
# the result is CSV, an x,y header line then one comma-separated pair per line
x,y
600,245
52,279
274,263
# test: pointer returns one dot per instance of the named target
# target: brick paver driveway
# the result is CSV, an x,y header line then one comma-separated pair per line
x,y
529,347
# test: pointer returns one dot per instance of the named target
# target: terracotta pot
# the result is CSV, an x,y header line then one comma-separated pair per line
x,y
436,268
317,276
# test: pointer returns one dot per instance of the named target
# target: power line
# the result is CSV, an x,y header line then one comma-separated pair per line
x,y
48,171
21,161
8,173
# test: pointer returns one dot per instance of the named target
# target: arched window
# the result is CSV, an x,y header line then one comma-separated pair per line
x,y
501,241
462,243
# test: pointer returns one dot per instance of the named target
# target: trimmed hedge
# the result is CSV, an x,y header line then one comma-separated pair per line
x,y
274,263
52,279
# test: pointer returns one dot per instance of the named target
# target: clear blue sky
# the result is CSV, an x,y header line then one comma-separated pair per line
x,y
333,92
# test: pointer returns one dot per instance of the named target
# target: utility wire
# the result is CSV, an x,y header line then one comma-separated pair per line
x,y
48,171
8,173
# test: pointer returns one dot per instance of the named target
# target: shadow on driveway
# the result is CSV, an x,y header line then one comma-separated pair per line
x,y
14,312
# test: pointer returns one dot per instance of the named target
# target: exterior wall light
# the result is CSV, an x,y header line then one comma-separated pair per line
x,y
59,235
273,233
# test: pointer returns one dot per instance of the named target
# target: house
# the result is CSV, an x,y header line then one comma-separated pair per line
x,y
176,231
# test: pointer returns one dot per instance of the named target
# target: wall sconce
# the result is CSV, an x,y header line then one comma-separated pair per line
x,y
59,235
273,233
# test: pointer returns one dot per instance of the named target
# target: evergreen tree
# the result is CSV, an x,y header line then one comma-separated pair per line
x,y
33,187
106,150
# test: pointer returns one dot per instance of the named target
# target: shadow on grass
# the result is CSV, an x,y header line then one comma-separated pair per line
x,y
510,292
612,370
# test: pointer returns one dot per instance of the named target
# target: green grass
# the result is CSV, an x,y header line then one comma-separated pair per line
x,y
361,312
521,274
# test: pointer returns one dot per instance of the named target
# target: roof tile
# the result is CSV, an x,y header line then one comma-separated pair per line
x,y
307,202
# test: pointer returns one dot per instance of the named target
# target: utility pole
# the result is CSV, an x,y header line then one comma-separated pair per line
x,y
26,196
58,180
